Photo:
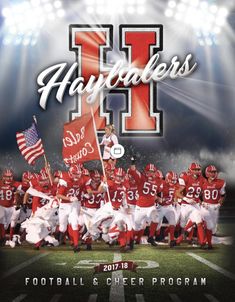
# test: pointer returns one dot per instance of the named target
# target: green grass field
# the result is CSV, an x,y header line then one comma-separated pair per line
x,y
160,262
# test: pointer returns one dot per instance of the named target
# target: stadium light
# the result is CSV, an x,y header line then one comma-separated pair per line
x,y
24,20
108,7
206,19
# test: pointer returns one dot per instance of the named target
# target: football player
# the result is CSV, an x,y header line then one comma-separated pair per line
x,y
8,198
190,192
165,204
117,190
69,193
91,201
145,211
213,195
132,197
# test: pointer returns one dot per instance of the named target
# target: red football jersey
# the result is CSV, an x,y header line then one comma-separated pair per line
x,y
92,201
7,193
168,193
38,202
193,187
213,191
117,194
23,188
147,189
70,188
132,194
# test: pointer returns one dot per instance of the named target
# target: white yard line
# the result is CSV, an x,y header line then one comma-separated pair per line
x,y
211,298
92,298
19,298
139,298
24,264
55,298
117,290
213,266
175,298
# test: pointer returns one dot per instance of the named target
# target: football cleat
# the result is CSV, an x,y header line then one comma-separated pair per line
x,y
76,249
88,247
152,241
124,249
131,245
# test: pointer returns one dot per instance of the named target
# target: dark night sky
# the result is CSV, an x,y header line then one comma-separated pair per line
x,y
198,111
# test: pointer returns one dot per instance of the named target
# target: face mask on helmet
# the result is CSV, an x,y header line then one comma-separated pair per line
x,y
150,175
43,181
85,172
26,177
95,176
7,177
150,171
75,172
195,170
119,175
171,177
211,172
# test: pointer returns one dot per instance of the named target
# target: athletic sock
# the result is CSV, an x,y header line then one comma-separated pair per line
x,y
152,229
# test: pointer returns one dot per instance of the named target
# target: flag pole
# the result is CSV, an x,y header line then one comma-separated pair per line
x,y
98,145
47,164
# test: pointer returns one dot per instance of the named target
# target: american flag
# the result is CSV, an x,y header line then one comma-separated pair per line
x,y
30,144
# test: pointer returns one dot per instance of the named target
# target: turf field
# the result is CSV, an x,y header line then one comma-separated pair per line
x,y
159,265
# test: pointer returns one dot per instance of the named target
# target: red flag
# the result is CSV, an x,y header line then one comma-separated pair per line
x,y
79,141
30,144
